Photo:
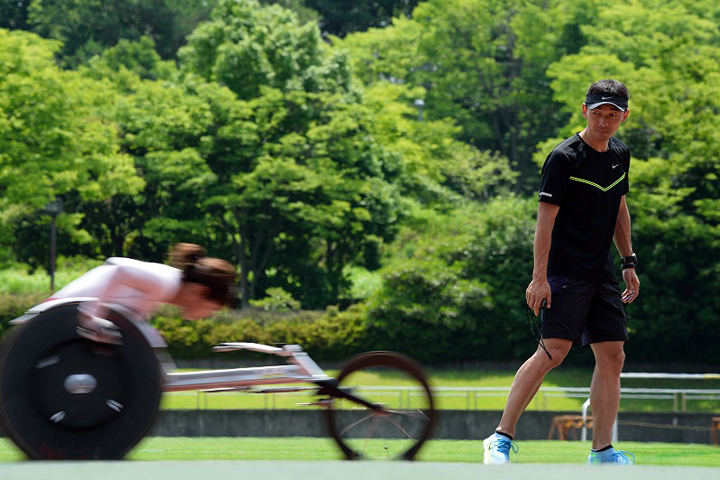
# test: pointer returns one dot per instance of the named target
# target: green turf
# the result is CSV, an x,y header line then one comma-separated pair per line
x,y
175,448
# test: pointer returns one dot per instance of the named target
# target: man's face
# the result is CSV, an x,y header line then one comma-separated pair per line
x,y
604,121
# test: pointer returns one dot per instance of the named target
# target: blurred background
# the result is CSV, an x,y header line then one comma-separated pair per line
x,y
371,169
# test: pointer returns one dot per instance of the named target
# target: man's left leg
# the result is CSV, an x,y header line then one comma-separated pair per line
x,y
605,400
605,390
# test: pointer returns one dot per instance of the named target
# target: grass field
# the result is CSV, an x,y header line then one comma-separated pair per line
x,y
167,448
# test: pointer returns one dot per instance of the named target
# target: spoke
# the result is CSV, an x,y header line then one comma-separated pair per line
x,y
399,427
353,425
416,413
372,431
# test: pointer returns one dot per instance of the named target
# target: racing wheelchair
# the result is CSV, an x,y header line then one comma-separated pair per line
x,y
66,397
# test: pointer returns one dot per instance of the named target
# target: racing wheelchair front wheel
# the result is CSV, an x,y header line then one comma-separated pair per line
x,y
63,397
400,419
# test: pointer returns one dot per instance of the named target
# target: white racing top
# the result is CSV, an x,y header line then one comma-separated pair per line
x,y
139,286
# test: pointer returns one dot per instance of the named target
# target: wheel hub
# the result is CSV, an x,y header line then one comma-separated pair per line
x,y
81,388
80,383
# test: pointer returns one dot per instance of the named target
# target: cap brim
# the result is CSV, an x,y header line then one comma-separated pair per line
x,y
595,105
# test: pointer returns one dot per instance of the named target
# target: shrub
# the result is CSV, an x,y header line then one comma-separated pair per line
x,y
14,305
329,335
277,300
458,294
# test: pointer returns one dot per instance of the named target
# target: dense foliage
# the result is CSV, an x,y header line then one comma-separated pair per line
x,y
379,154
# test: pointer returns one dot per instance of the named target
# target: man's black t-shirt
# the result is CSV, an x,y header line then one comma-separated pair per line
x,y
588,186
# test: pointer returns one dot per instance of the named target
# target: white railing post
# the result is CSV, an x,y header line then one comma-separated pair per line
x,y
585,406
615,431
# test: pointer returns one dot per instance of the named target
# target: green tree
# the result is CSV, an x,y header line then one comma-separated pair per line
x,y
137,57
87,27
341,18
13,14
53,137
455,292
314,179
296,163
162,126
305,14
482,64
437,168
283,172
316,163
246,47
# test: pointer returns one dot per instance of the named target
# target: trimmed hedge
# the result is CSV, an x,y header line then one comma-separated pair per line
x,y
329,335
326,335
14,305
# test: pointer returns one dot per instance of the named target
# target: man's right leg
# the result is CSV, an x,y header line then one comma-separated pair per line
x,y
527,382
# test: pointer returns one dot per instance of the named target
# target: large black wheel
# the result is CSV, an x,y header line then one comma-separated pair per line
x,y
65,397
401,419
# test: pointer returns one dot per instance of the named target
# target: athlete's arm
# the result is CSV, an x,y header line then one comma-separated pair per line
x,y
138,276
539,288
623,242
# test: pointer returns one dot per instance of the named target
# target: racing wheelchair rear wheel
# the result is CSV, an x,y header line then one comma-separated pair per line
x,y
65,397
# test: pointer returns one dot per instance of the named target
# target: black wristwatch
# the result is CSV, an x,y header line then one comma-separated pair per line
x,y
629,262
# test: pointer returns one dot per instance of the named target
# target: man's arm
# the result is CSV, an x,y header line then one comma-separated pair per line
x,y
539,288
622,238
623,242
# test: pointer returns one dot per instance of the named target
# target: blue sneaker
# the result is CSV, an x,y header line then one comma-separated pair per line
x,y
497,449
611,456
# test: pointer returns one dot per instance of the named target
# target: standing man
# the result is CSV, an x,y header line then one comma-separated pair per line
x,y
581,210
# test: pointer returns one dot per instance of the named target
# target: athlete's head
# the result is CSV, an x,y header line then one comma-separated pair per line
x,y
207,282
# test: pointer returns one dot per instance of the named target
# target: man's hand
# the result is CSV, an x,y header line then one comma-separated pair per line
x,y
632,285
537,291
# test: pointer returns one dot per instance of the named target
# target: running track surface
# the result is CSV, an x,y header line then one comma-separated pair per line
x,y
334,470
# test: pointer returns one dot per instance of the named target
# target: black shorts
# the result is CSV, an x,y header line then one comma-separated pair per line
x,y
584,312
